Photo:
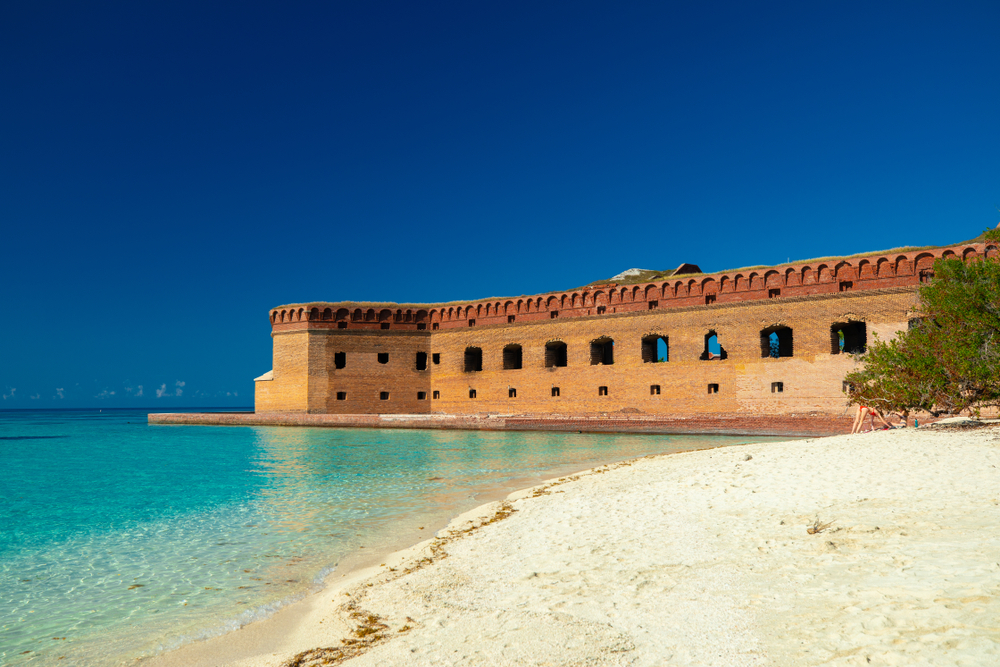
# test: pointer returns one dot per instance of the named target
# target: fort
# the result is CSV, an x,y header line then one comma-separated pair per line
x,y
763,345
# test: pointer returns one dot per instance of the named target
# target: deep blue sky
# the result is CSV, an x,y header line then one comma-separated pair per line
x,y
171,170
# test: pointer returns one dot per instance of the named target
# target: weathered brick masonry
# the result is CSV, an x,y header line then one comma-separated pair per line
x,y
506,356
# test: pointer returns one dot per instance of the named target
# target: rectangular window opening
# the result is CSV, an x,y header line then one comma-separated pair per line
x,y
555,354
421,361
601,310
511,318
383,357
713,389
775,293
654,390
421,326
512,393
341,395
846,285
436,357
383,396
654,349
340,359
473,359
384,325
553,314
777,387
472,393
512,357
709,299
341,325
602,352
602,391
421,395
437,394
555,391
434,326
472,323
653,305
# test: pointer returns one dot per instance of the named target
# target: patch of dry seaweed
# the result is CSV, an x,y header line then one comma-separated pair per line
x,y
370,629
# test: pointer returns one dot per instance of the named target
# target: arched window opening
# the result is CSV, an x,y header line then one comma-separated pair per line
x,y
848,338
713,350
602,352
383,357
776,342
473,359
555,354
655,348
512,357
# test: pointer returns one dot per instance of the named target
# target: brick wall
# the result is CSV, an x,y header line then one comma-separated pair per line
x,y
877,290
307,379
811,378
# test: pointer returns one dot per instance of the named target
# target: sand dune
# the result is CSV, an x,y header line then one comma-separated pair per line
x,y
700,558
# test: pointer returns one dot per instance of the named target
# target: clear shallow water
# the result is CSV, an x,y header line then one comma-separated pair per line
x,y
120,539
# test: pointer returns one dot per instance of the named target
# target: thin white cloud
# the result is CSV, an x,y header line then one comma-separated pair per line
x,y
60,391
162,391
105,394
11,394
36,397
179,384
138,391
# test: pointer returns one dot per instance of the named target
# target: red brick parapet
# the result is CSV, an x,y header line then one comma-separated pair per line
x,y
827,276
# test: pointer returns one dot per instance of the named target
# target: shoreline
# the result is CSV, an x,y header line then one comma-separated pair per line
x,y
795,424
253,640
723,573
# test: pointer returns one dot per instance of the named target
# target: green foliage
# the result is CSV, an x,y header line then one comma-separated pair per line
x,y
949,360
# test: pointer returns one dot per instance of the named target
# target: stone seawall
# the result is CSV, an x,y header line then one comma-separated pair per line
x,y
815,424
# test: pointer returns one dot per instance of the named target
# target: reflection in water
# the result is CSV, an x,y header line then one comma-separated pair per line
x,y
126,538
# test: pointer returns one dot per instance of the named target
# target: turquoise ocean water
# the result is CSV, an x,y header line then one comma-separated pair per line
x,y
119,539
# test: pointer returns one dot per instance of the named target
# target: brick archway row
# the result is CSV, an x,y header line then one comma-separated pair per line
x,y
805,278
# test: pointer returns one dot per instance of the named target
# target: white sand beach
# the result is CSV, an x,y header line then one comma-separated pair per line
x,y
698,558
